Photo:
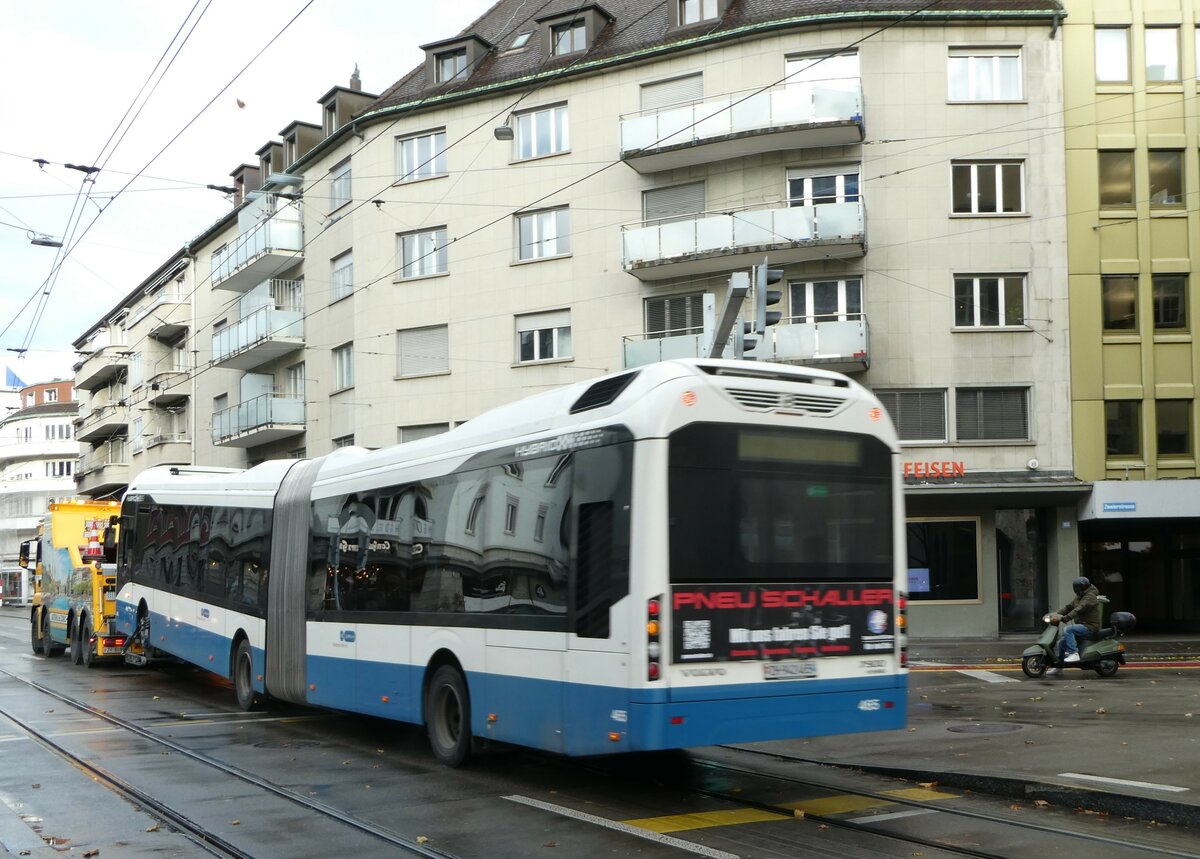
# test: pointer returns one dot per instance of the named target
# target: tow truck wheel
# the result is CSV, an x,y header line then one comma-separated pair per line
x,y
1034,666
85,642
48,645
243,677
34,641
76,652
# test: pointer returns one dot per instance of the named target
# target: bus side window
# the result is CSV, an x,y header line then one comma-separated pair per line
x,y
602,494
593,571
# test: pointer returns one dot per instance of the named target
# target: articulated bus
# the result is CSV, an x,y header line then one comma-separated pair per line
x,y
689,553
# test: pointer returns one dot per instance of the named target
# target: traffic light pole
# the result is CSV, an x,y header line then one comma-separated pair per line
x,y
739,287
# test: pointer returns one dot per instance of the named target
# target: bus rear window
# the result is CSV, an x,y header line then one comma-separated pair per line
x,y
761,505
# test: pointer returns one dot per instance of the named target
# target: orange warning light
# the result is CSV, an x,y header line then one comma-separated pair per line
x,y
689,398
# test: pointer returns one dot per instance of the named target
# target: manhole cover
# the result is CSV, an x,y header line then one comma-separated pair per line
x,y
983,728
286,744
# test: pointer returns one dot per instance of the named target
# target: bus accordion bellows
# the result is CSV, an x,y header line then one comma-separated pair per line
x,y
689,553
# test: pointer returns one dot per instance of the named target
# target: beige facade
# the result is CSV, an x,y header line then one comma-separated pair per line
x,y
1132,166
910,185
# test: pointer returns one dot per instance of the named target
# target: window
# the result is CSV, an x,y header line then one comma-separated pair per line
x,y
341,276
1116,179
344,441
825,300
992,414
839,186
520,40
137,439
543,132
510,515
421,156
1162,54
451,64
675,315
544,336
989,300
568,38
339,186
423,253
59,468
1166,178
422,351
985,74
1174,427
822,68
1112,55
473,514
1170,301
1122,428
419,431
294,382
660,94
676,203
943,560
919,415
343,367
988,188
695,11
544,234
51,395
1118,297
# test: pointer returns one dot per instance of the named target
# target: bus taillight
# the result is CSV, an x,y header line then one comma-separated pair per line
x,y
653,642
902,626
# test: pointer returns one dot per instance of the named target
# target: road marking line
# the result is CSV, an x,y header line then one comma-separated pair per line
x,y
989,676
920,794
698,849
892,815
704,819
830,805
1124,782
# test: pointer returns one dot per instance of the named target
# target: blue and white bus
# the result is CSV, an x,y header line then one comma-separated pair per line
x,y
689,553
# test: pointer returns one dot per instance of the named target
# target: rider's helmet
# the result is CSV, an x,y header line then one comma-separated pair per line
x,y
1080,585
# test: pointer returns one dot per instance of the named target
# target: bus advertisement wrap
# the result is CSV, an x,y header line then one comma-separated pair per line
x,y
729,623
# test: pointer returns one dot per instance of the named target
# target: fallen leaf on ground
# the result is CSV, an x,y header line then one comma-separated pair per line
x,y
91,853
928,785
421,839
799,812
1040,803
1101,711
235,823
153,828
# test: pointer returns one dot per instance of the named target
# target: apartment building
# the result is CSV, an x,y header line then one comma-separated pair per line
x,y
38,454
563,192
1132,168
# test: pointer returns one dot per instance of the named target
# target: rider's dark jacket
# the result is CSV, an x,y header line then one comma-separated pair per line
x,y
1084,609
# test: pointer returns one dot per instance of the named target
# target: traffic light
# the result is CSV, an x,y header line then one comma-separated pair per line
x,y
742,343
764,296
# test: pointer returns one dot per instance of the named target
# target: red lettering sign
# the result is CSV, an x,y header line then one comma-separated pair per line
x,y
944,468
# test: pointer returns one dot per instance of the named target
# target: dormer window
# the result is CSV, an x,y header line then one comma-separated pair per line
x,y
520,41
568,38
451,64
686,13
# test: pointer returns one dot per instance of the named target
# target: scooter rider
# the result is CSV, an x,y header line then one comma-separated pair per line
x,y
1083,614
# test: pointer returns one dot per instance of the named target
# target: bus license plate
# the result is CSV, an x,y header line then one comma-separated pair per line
x,y
793,669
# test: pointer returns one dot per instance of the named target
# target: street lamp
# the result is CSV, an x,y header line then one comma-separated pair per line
x,y
43,240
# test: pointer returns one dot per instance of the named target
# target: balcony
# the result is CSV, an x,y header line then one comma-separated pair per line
x,y
260,420
270,241
842,345
262,336
168,379
103,469
735,125
718,242
168,311
166,449
101,367
103,422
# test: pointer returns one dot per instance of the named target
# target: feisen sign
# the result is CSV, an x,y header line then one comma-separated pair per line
x,y
935,468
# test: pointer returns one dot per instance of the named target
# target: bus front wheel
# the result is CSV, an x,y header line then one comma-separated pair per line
x,y
243,677
448,716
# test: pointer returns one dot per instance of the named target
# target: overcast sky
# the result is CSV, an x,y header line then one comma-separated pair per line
x,y
71,70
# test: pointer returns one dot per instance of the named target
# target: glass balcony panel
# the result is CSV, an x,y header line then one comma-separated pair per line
x,y
794,224
754,228
713,119
638,132
714,233
752,113
677,238
831,103
641,244
675,126
838,219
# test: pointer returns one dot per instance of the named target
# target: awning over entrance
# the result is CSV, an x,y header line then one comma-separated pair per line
x,y
1004,490
1142,499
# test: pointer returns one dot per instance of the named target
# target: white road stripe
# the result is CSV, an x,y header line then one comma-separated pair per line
x,y
989,676
698,849
894,815
1124,782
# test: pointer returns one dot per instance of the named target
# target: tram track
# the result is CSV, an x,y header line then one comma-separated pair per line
x,y
195,831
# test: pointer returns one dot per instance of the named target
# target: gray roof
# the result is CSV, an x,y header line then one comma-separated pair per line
x,y
640,27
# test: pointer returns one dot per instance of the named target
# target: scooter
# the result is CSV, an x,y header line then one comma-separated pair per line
x,y
1100,651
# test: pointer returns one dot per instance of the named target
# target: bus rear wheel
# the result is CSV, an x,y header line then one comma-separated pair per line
x,y
243,677
448,716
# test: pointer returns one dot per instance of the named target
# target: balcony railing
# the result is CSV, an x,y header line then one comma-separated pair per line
x,y
168,311
841,344
706,243
256,421
262,336
103,469
734,125
101,367
103,422
115,452
262,249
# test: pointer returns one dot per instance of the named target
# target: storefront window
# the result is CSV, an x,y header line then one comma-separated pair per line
x,y
943,560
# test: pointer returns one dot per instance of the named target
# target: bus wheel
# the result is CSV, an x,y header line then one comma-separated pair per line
x,y
243,676
448,716
88,655
76,648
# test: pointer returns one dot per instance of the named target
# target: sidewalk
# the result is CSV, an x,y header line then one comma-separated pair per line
x,y
1126,745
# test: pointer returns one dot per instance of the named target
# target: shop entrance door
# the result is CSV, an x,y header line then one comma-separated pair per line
x,y
1021,569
